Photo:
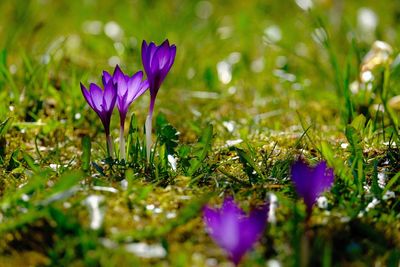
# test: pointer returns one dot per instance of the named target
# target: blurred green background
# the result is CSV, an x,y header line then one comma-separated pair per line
x,y
235,60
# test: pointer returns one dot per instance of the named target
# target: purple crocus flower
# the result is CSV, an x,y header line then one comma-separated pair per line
x,y
233,230
157,61
128,89
311,182
102,102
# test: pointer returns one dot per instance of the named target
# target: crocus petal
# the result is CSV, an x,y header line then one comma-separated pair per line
x,y
118,72
123,106
87,96
147,54
109,96
232,230
161,56
168,66
134,84
145,61
122,86
253,226
102,101
311,182
151,51
120,81
172,54
97,96
324,178
211,218
106,77
157,62
144,87
127,88
301,176
224,228
229,206
231,224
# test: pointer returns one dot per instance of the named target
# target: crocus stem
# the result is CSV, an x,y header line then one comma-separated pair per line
x,y
110,149
122,143
148,127
304,250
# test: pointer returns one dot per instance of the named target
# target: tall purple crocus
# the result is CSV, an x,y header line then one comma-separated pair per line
x,y
157,61
102,102
311,182
128,89
233,230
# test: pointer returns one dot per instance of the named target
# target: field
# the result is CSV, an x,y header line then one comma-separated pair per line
x,y
255,88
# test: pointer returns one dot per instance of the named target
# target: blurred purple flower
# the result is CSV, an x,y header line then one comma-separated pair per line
x,y
232,230
311,182
157,61
102,102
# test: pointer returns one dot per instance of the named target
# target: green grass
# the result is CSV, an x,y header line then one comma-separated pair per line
x,y
286,98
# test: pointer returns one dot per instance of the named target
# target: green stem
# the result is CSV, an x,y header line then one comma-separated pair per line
x,y
148,136
122,143
110,150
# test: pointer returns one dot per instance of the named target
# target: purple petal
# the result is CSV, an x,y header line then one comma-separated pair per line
x,y
212,219
134,86
118,73
109,96
171,59
137,75
224,225
144,87
144,50
157,61
166,42
87,96
253,226
301,176
147,54
229,206
323,178
123,106
121,84
161,63
167,67
106,77
97,96
161,56
150,52
216,227
145,60
311,182
172,54
232,230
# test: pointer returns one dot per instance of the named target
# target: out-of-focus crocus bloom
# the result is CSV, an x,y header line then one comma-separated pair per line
x,y
102,102
128,90
233,230
157,61
310,182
